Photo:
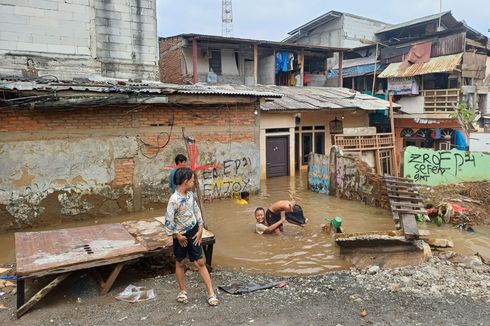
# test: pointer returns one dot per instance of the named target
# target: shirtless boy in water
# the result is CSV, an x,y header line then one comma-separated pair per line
x,y
276,212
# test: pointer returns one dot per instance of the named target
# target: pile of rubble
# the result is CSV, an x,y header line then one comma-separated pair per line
x,y
447,273
466,204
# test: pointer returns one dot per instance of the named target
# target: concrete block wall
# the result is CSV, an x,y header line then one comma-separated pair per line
x,y
78,38
91,162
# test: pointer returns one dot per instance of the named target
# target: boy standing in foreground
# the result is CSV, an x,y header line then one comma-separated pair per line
x,y
184,221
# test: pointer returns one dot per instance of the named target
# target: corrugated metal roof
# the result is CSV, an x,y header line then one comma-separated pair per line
x,y
446,63
416,21
278,45
118,86
317,99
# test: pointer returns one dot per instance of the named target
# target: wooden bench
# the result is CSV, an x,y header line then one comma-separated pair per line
x,y
60,252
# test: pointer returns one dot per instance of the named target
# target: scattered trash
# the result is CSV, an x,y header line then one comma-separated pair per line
x,y
125,317
143,318
134,293
8,277
364,313
4,270
237,288
79,300
373,269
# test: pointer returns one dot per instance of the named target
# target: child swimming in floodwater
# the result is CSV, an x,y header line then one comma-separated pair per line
x,y
244,198
261,227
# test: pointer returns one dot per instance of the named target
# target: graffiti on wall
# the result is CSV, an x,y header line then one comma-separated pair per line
x,y
228,178
318,175
345,173
430,167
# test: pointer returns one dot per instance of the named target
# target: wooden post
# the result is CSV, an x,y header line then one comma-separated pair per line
x,y
20,292
274,81
302,67
375,68
392,122
256,64
39,295
105,286
196,180
194,61
341,74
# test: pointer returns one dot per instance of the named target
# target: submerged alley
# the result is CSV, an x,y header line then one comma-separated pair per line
x,y
123,149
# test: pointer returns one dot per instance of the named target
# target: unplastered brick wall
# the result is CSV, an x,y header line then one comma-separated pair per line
x,y
79,38
171,60
90,162
124,168
227,117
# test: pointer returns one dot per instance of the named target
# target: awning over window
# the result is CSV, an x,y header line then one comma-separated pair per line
x,y
448,63
356,71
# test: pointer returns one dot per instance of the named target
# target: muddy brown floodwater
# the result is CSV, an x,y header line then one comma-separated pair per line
x,y
300,250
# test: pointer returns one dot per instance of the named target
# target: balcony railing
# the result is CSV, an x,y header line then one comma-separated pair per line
x,y
364,142
440,100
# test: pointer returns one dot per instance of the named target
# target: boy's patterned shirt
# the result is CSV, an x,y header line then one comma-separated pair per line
x,y
183,213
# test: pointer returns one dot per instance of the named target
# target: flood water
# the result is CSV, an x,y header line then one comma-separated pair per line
x,y
300,250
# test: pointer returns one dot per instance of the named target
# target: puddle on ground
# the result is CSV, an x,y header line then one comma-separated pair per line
x,y
299,251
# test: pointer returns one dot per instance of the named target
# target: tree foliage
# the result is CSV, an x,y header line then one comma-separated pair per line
x,y
466,116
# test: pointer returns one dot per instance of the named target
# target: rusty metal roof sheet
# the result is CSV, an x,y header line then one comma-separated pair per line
x,y
317,99
446,63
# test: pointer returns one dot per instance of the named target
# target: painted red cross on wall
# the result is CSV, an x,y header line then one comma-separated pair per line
x,y
193,153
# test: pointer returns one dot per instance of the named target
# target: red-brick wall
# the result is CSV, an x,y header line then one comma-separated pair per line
x,y
124,172
220,120
171,61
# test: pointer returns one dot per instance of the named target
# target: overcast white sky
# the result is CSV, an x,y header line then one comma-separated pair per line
x,y
272,19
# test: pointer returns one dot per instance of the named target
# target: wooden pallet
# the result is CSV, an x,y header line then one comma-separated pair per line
x,y
58,253
405,203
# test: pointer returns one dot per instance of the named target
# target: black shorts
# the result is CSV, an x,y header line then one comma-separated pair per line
x,y
192,251
271,218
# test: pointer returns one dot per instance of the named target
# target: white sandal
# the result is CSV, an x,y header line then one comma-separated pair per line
x,y
182,297
213,300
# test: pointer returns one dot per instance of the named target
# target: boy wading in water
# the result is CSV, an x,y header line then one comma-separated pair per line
x,y
184,221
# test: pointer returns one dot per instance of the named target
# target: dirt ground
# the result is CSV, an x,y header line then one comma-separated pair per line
x,y
447,290
473,197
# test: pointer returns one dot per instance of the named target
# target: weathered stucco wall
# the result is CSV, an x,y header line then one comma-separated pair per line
x,y
426,166
355,180
346,177
107,161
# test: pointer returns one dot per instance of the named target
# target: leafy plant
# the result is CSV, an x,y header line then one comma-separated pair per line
x,y
466,116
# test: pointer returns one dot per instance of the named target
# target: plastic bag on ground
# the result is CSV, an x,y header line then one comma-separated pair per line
x,y
134,293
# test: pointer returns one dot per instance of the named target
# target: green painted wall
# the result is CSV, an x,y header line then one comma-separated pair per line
x,y
430,167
